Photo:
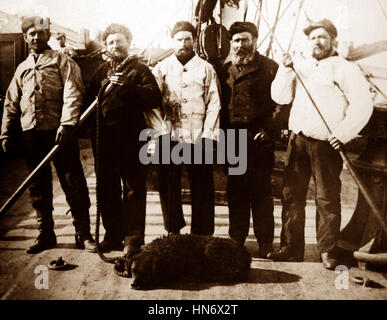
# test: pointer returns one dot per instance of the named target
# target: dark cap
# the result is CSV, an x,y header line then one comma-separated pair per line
x,y
35,22
60,35
325,24
183,26
238,27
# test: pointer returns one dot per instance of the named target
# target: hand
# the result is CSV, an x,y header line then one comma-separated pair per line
x,y
64,134
117,79
335,143
261,136
6,145
287,60
151,149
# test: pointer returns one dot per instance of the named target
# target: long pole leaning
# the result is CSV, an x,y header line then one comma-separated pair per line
x,y
16,195
363,189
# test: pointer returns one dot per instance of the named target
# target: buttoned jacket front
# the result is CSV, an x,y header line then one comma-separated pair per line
x,y
191,101
246,100
43,94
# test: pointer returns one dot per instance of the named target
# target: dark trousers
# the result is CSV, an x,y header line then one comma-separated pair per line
x,y
122,179
69,169
310,157
202,196
252,191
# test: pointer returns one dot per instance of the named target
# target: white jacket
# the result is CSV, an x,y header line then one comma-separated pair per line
x,y
339,89
191,100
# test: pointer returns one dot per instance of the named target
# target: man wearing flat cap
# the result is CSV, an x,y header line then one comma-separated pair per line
x,y
61,38
342,95
45,98
246,104
191,105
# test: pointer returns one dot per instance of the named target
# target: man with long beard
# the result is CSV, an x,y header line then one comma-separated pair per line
x,y
246,104
191,105
342,95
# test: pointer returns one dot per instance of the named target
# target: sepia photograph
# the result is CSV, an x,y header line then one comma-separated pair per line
x,y
197,156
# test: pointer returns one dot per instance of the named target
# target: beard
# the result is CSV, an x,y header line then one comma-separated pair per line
x,y
319,52
117,55
184,53
243,56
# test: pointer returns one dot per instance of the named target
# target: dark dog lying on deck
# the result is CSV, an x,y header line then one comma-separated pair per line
x,y
187,258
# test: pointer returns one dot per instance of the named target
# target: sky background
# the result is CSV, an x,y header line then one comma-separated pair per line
x,y
359,21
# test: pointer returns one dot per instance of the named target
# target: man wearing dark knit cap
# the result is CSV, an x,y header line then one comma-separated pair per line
x,y
246,104
45,97
191,105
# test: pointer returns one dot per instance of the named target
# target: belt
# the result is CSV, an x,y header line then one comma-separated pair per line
x,y
301,134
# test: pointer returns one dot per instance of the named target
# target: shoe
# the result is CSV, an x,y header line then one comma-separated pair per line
x,y
328,260
44,241
284,255
265,249
108,245
173,233
85,241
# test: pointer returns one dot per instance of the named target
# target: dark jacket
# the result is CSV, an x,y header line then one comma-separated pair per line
x,y
246,98
125,105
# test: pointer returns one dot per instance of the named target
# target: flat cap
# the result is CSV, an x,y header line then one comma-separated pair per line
x,y
60,35
325,24
238,27
36,22
183,26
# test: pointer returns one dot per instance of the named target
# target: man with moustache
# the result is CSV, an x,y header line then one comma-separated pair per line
x,y
45,98
122,176
246,104
342,95
191,106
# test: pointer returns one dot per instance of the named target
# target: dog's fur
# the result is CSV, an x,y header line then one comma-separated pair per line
x,y
189,258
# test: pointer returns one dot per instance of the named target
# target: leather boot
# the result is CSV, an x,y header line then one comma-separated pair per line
x,y
265,249
329,261
45,240
85,241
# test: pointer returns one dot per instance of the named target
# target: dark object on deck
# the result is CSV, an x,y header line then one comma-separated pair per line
x,y
57,264
188,258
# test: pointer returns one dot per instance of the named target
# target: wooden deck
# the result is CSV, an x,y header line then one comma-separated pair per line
x,y
90,278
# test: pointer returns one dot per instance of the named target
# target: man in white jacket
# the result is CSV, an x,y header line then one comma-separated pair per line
x,y
342,95
191,105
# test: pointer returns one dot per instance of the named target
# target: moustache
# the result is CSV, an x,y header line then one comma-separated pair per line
x,y
318,46
240,51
